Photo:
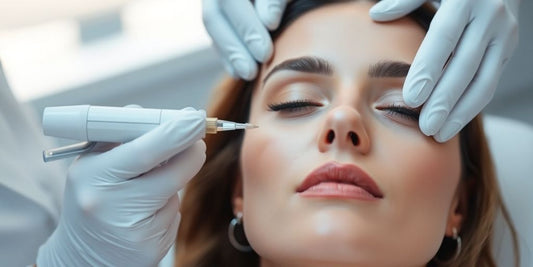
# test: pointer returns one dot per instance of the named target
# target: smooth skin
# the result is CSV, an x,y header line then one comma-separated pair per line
x,y
419,177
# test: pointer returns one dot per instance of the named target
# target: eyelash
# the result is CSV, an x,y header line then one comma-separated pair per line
x,y
303,104
400,111
294,106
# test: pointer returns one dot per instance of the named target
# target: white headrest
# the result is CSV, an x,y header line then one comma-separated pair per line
x,y
511,144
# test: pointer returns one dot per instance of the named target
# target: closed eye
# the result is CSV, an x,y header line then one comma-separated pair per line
x,y
401,112
294,106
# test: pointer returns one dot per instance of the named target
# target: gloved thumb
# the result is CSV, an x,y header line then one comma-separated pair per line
x,y
387,10
270,12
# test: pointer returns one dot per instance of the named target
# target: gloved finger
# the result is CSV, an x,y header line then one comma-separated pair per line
x,y
169,237
507,36
225,63
155,223
478,95
248,27
227,41
386,10
270,12
146,152
166,215
456,77
166,180
164,226
439,43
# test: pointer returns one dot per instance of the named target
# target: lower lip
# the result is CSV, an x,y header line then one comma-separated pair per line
x,y
338,190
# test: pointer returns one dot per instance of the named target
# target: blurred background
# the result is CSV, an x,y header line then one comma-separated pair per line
x,y
156,53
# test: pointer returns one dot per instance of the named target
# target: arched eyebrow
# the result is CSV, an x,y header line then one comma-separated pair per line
x,y
387,68
312,64
309,64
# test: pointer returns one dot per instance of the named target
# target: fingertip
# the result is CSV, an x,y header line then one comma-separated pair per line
x,y
269,50
433,122
448,131
202,146
441,139
246,70
381,11
387,10
270,12
272,19
261,49
408,99
229,69
416,94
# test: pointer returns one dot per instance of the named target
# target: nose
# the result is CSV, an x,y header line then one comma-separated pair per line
x,y
344,130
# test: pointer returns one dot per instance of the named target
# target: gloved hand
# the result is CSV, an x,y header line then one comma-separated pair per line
x,y
240,33
121,206
481,34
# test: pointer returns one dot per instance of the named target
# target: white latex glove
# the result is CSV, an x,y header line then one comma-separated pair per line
x,y
481,34
121,207
240,33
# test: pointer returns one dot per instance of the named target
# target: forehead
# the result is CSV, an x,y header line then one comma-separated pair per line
x,y
345,35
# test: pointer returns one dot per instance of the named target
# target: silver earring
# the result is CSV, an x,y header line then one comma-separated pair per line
x,y
231,234
457,239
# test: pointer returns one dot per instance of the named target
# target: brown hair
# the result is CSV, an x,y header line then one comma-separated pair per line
x,y
207,204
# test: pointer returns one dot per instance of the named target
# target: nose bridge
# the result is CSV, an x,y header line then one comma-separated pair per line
x,y
344,129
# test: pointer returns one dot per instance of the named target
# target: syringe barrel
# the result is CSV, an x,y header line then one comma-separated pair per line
x,y
103,124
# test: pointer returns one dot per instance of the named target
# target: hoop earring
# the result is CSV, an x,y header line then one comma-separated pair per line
x,y
231,234
458,248
457,239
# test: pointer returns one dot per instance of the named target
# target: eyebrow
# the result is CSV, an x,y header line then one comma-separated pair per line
x,y
307,64
388,68
317,65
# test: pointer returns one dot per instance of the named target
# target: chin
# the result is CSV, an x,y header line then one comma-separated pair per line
x,y
330,235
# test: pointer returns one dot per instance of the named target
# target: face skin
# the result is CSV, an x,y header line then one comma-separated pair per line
x,y
418,177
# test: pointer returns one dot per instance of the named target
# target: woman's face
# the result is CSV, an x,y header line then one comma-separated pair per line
x,y
333,122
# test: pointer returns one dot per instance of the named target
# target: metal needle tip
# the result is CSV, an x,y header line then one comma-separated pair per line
x,y
245,126
251,126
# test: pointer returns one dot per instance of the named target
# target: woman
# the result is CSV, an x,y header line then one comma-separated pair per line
x,y
338,174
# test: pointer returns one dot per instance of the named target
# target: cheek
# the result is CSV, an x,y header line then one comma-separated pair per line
x,y
271,161
264,170
274,159
421,178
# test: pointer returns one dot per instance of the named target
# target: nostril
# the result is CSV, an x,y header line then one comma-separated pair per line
x,y
330,136
355,139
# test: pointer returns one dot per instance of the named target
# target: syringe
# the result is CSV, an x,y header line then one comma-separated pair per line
x,y
113,124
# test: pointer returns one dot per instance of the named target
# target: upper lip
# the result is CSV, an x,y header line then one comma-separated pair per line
x,y
341,173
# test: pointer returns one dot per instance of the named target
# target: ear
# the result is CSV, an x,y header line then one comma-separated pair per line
x,y
236,196
458,210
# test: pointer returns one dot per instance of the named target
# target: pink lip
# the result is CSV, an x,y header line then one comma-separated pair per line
x,y
335,180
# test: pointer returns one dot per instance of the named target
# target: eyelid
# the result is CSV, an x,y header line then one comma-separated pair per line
x,y
400,111
308,91
295,108
406,109
291,104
